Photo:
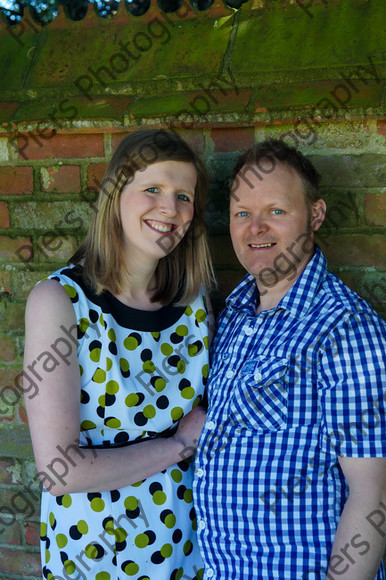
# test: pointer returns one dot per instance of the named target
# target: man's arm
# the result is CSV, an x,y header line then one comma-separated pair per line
x,y
360,539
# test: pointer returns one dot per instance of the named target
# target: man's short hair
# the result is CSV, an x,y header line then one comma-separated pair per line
x,y
274,151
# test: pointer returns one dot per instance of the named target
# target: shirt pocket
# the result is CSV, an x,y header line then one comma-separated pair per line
x,y
260,396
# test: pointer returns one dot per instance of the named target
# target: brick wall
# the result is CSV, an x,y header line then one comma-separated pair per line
x,y
55,142
45,208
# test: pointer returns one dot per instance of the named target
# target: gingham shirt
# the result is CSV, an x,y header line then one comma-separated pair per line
x,y
289,390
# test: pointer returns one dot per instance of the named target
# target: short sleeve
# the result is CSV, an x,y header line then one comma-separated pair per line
x,y
352,386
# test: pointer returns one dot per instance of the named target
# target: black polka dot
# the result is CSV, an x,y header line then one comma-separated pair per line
x,y
113,348
157,558
93,316
177,536
176,338
146,354
121,438
162,402
140,419
75,533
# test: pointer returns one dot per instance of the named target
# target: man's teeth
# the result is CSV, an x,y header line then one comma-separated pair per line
x,y
161,227
261,245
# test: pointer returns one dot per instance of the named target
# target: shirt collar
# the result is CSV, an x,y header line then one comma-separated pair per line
x,y
299,297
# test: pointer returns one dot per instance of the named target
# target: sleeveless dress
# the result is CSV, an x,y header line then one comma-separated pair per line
x,y
140,372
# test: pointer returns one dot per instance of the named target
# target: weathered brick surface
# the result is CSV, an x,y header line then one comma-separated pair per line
x,y
226,140
7,349
4,215
375,209
64,179
32,533
25,563
16,180
47,145
355,250
9,247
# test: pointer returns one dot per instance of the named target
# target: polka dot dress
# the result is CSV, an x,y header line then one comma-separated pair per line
x,y
141,372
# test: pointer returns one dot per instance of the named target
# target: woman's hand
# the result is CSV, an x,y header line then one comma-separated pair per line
x,y
189,431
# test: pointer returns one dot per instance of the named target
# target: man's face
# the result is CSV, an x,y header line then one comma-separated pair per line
x,y
272,229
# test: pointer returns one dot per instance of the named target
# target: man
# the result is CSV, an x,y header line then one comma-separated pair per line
x,y
291,469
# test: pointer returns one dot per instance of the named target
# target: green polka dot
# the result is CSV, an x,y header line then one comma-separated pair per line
x,y
176,413
182,330
192,349
103,576
99,376
109,363
95,354
82,527
113,423
91,551
120,535
102,401
159,497
166,349
43,529
81,371
86,425
166,550
170,521
83,324
111,334
124,364
69,566
176,475
179,573
130,343
187,547
61,540
206,342
70,290
188,311
51,519
188,393
131,569
97,504
159,384
131,503
66,501
47,559
102,320
155,334
188,495
141,541
148,366
181,366
149,411
200,315
112,387
131,400
205,371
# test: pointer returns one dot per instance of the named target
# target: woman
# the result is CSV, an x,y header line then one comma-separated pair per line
x,y
117,499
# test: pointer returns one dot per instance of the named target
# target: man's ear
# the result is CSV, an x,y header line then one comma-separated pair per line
x,y
318,213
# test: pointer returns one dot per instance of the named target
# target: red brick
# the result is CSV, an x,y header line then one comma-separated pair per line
x,y
7,349
5,472
95,174
32,533
21,411
229,140
61,146
17,562
4,215
65,179
381,127
354,250
116,138
10,534
9,247
375,209
16,180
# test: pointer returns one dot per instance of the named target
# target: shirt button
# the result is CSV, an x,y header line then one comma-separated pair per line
x,y
258,376
210,425
201,524
229,374
199,472
210,573
248,330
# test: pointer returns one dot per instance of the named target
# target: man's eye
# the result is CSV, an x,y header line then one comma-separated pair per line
x,y
277,211
242,214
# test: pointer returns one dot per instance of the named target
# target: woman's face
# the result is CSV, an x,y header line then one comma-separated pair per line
x,y
156,209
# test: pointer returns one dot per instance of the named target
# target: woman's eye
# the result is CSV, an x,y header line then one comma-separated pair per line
x,y
183,197
152,189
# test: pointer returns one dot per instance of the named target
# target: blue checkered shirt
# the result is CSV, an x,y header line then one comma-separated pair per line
x,y
290,390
